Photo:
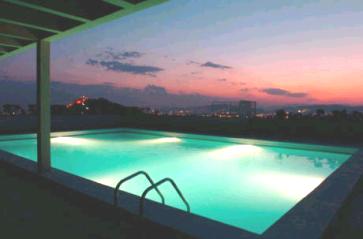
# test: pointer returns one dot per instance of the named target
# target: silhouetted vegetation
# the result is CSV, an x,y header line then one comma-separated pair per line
x,y
102,106
281,114
86,106
336,127
11,109
329,129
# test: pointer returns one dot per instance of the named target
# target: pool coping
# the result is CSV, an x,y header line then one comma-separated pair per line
x,y
187,223
309,218
312,215
269,143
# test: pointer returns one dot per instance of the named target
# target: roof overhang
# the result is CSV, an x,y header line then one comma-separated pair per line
x,y
24,22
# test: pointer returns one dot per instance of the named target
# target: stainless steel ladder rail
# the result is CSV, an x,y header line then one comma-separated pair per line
x,y
154,186
115,193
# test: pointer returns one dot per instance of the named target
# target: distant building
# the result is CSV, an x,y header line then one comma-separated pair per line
x,y
224,107
151,111
79,106
247,109
12,110
58,109
81,101
234,109
32,109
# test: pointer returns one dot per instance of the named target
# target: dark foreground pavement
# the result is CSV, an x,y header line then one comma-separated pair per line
x,y
33,208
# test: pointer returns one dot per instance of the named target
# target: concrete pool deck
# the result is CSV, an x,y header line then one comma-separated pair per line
x,y
318,215
36,208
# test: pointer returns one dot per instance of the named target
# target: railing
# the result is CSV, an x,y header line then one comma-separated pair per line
x,y
154,186
115,194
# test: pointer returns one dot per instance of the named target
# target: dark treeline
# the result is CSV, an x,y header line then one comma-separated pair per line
x,y
320,114
98,107
87,107
307,130
336,127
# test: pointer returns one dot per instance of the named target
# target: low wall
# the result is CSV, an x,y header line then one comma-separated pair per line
x,y
28,123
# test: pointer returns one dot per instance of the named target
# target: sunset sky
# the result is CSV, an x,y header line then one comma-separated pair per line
x,y
272,51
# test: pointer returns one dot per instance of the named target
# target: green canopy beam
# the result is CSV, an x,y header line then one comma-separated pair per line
x,y
75,10
11,42
11,13
20,32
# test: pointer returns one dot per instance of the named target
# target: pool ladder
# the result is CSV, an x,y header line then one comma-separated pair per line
x,y
148,189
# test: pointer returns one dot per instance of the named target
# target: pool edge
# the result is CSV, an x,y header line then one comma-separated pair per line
x,y
191,224
311,216
260,142
307,219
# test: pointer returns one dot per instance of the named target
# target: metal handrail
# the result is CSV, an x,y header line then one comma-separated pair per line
x,y
115,194
154,186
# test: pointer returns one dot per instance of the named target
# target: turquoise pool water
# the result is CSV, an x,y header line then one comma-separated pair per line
x,y
244,185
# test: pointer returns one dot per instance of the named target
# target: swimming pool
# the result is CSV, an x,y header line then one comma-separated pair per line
x,y
238,182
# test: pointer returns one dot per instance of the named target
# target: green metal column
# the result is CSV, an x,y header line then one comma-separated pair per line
x,y
43,105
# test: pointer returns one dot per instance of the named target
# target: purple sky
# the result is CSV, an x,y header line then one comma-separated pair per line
x,y
275,52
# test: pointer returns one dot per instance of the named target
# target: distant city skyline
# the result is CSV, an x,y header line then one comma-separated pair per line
x,y
273,52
